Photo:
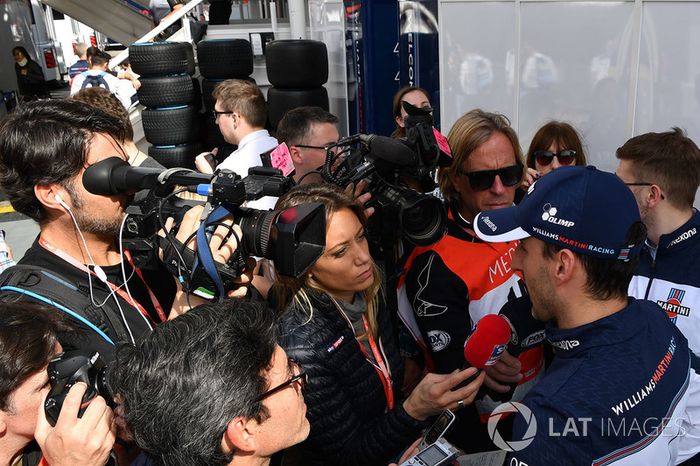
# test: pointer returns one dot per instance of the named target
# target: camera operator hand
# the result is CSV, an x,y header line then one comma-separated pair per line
x,y
356,191
206,161
434,393
74,441
221,249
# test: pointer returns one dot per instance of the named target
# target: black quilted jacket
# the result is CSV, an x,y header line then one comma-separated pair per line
x,y
345,398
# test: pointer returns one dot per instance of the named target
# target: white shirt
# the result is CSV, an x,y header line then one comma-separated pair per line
x,y
248,155
122,88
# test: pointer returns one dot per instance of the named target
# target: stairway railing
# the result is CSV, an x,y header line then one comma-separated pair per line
x,y
178,15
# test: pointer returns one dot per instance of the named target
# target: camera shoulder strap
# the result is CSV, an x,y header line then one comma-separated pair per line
x,y
44,286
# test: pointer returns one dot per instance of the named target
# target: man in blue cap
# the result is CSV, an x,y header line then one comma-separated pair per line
x,y
623,386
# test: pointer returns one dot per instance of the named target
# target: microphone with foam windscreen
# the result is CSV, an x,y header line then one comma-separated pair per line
x,y
390,150
485,345
526,333
114,175
487,342
384,148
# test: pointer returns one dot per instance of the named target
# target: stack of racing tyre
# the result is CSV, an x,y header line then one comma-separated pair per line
x,y
219,60
171,120
297,70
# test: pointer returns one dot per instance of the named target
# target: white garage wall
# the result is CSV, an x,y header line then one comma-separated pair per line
x,y
614,69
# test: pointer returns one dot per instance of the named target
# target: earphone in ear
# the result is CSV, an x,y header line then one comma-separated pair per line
x,y
59,199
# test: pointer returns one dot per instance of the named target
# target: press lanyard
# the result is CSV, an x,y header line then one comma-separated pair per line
x,y
116,289
380,366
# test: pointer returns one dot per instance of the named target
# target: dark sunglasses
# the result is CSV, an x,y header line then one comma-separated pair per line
x,y
545,157
300,377
483,179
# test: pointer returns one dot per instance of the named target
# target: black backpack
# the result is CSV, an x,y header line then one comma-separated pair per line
x,y
92,80
40,285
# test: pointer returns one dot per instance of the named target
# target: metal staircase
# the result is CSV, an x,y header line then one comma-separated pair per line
x,y
122,21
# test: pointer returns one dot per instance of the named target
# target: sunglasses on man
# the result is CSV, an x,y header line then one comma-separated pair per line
x,y
483,179
565,157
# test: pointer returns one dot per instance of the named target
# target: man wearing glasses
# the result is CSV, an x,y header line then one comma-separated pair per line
x,y
308,132
212,387
663,172
455,282
241,112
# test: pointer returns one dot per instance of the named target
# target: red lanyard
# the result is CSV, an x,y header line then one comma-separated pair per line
x,y
380,366
42,462
116,289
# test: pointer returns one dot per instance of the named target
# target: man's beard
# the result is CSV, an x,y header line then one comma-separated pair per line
x,y
88,223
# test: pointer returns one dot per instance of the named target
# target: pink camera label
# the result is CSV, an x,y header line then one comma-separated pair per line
x,y
281,159
442,142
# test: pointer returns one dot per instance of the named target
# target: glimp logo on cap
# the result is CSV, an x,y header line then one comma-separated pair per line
x,y
550,213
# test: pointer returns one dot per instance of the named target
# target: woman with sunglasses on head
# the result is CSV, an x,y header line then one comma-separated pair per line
x,y
335,325
450,285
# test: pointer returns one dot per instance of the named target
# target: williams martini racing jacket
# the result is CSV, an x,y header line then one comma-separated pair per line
x,y
669,276
622,390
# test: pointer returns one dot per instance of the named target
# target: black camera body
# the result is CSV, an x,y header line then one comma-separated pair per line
x,y
402,210
68,368
293,238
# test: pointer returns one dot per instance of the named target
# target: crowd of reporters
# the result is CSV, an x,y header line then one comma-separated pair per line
x,y
345,362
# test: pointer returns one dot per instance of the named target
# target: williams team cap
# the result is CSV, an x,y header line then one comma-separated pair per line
x,y
579,208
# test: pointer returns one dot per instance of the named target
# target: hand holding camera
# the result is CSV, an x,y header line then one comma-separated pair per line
x,y
74,440
222,244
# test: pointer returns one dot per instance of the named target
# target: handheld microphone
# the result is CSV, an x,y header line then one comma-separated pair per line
x,y
487,342
485,345
114,175
526,333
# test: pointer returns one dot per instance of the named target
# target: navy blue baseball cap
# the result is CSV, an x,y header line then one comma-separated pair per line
x,y
579,208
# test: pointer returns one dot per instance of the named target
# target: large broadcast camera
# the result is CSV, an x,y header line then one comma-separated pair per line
x,y
293,238
399,172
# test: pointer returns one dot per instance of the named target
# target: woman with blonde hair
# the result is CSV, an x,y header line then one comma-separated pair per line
x,y
335,325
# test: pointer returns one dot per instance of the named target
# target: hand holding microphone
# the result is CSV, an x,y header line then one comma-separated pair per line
x,y
487,344
452,391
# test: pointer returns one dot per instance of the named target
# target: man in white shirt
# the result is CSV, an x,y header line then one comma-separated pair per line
x,y
241,112
98,76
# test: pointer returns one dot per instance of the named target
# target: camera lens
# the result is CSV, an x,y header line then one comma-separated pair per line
x,y
423,219
256,226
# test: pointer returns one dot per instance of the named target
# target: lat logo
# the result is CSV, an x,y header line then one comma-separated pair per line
x,y
549,215
673,305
